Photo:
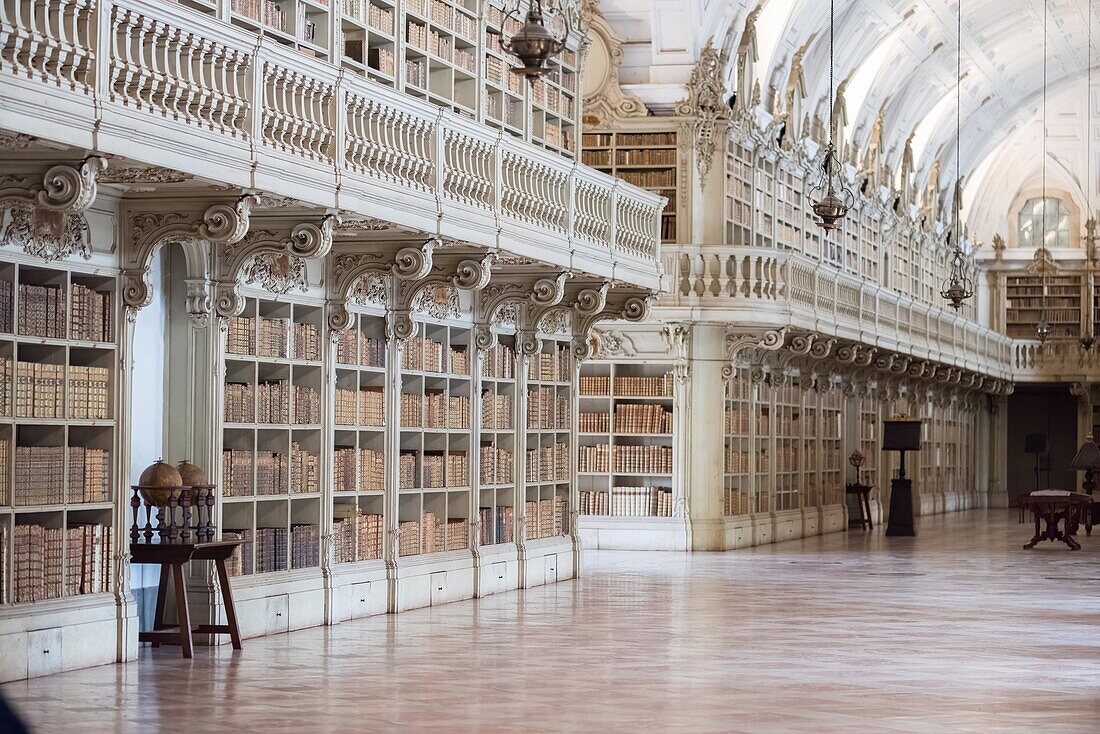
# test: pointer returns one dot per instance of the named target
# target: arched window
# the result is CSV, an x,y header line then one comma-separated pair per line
x,y
1032,224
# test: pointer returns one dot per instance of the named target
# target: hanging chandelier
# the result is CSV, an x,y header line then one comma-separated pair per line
x,y
1043,329
958,287
832,199
542,36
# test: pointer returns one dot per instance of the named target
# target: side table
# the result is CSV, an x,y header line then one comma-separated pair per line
x,y
171,558
863,502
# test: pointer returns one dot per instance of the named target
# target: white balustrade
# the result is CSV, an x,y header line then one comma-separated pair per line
x,y
222,101
719,281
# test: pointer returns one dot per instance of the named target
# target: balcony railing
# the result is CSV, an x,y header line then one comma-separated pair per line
x,y
165,85
772,289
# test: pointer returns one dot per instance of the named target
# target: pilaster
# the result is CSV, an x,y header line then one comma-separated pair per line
x,y
704,443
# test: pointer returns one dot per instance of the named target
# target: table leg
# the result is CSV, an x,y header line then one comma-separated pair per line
x,y
1038,532
867,509
227,599
162,598
183,615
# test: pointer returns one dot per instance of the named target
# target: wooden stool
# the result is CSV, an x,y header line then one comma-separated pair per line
x,y
171,557
863,502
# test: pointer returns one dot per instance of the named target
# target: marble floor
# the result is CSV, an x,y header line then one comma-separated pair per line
x,y
957,630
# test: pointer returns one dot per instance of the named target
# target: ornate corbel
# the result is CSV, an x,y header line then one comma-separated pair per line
x,y
461,268
349,271
151,224
801,344
514,287
277,236
618,304
47,218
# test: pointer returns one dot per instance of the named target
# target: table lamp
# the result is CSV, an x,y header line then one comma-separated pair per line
x,y
1088,461
901,435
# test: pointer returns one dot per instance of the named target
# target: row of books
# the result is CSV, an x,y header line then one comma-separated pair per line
x,y
546,410
42,311
246,473
273,402
497,525
446,411
496,72
552,367
496,411
595,384
644,387
268,12
594,422
498,466
635,418
48,563
376,16
266,549
426,355
41,479
627,459
646,157
641,501
449,470
353,347
7,311
356,536
548,463
499,362
273,338
359,469
416,73
736,502
431,535
737,462
545,518
593,503
662,178
90,315
40,389
362,407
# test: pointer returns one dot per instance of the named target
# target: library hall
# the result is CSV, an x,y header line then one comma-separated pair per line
x,y
581,366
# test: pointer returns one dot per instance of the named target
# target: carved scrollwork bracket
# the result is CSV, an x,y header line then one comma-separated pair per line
x,y
151,224
520,287
619,304
47,218
282,236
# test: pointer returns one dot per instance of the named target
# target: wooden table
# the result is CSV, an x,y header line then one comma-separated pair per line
x,y
171,558
863,502
1068,509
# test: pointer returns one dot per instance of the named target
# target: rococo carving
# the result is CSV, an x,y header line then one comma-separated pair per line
x,y
47,218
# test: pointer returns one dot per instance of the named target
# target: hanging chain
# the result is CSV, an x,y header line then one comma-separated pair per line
x,y
832,101
1043,240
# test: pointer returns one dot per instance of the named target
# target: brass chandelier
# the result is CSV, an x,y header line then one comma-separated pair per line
x,y
958,287
832,199
542,36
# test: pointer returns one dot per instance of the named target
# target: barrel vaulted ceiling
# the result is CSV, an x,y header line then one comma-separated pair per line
x,y
897,58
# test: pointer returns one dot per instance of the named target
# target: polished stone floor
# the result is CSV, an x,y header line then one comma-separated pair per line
x,y
958,630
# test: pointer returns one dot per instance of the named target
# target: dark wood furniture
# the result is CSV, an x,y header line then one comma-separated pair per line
x,y
171,558
1069,509
863,504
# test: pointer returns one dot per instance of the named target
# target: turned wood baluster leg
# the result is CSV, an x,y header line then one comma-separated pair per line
x,y
149,523
1038,531
135,504
185,508
173,527
162,599
210,530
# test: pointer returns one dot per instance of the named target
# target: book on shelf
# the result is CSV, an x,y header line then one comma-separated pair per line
x,y
543,518
642,418
641,501
639,387
237,473
39,476
305,545
497,465
496,411
408,475
594,422
593,503
42,311
90,315
270,550
736,503
48,563
240,563
496,525
595,385
548,463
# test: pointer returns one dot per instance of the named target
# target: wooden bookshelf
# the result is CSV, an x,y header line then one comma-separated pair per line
x,y
738,432
625,457
739,200
497,459
434,481
649,160
547,459
272,434
359,460
58,441
1024,305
